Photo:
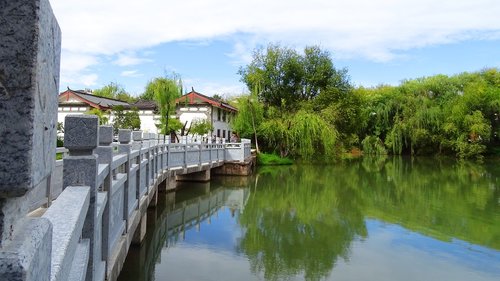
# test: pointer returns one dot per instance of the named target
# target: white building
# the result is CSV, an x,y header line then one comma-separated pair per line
x,y
195,106
190,107
79,102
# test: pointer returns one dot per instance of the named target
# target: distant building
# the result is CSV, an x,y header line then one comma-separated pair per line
x,y
195,106
148,114
190,107
80,101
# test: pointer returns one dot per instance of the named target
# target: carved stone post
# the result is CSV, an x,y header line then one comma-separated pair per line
x,y
81,136
137,137
30,44
124,137
105,153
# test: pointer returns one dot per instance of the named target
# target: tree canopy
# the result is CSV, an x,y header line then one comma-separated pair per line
x,y
165,91
114,91
286,77
295,96
125,119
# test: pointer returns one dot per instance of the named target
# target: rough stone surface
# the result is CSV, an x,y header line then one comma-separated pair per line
x,y
124,135
11,211
145,136
81,133
105,135
137,135
27,257
82,171
30,43
67,216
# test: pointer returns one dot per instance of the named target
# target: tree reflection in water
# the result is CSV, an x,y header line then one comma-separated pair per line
x,y
302,219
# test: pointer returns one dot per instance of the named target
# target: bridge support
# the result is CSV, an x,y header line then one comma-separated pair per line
x,y
201,176
29,83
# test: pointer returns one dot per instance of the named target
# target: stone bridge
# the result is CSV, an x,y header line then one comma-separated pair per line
x,y
95,200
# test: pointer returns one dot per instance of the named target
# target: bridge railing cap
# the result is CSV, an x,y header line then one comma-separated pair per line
x,y
137,135
81,133
105,135
124,136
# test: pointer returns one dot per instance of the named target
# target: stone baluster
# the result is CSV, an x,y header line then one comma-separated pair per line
x,y
29,80
124,137
146,144
163,156
81,169
154,151
137,138
105,156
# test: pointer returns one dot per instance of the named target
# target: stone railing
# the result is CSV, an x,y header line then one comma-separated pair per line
x,y
105,188
238,152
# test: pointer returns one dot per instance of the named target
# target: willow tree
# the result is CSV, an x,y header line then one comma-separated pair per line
x,y
165,91
303,134
103,115
250,116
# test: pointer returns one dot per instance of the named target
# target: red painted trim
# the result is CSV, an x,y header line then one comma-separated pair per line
x,y
68,93
192,95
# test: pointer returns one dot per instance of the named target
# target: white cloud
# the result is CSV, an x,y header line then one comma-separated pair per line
x,y
209,88
74,69
128,59
370,29
130,73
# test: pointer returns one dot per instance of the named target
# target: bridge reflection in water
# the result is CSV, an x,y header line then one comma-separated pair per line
x,y
176,213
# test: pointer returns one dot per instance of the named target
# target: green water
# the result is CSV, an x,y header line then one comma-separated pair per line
x,y
367,219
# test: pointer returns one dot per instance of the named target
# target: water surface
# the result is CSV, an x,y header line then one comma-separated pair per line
x,y
367,219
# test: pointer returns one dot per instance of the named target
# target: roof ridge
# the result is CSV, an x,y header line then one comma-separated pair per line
x,y
89,94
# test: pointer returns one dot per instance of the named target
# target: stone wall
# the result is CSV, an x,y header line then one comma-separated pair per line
x,y
29,80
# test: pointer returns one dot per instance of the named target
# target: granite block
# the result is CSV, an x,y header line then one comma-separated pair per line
x,y
27,256
137,135
67,216
81,133
124,135
30,47
105,135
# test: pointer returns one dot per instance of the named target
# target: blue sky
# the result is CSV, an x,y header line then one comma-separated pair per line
x,y
206,42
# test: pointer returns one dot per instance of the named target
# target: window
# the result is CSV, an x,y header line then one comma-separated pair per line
x,y
218,114
223,134
224,116
218,133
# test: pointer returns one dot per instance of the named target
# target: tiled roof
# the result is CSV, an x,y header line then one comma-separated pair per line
x,y
145,104
93,100
217,103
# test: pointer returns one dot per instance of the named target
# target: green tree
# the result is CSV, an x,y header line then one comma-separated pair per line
x,y
303,134
249,117
165,91
103,115
200,127
125,119
114,91
285,77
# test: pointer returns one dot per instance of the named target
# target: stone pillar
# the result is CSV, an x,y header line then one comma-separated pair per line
x,y
30,44
146,144
81,136
105,156
124,137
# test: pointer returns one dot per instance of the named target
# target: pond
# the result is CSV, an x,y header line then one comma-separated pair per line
x,y
364,219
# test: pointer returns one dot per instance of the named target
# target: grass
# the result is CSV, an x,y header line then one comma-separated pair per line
x,y
264,159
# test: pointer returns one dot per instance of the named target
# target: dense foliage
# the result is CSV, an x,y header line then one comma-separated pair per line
x,y
201,127
165,90
114,91
125,119
302,106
